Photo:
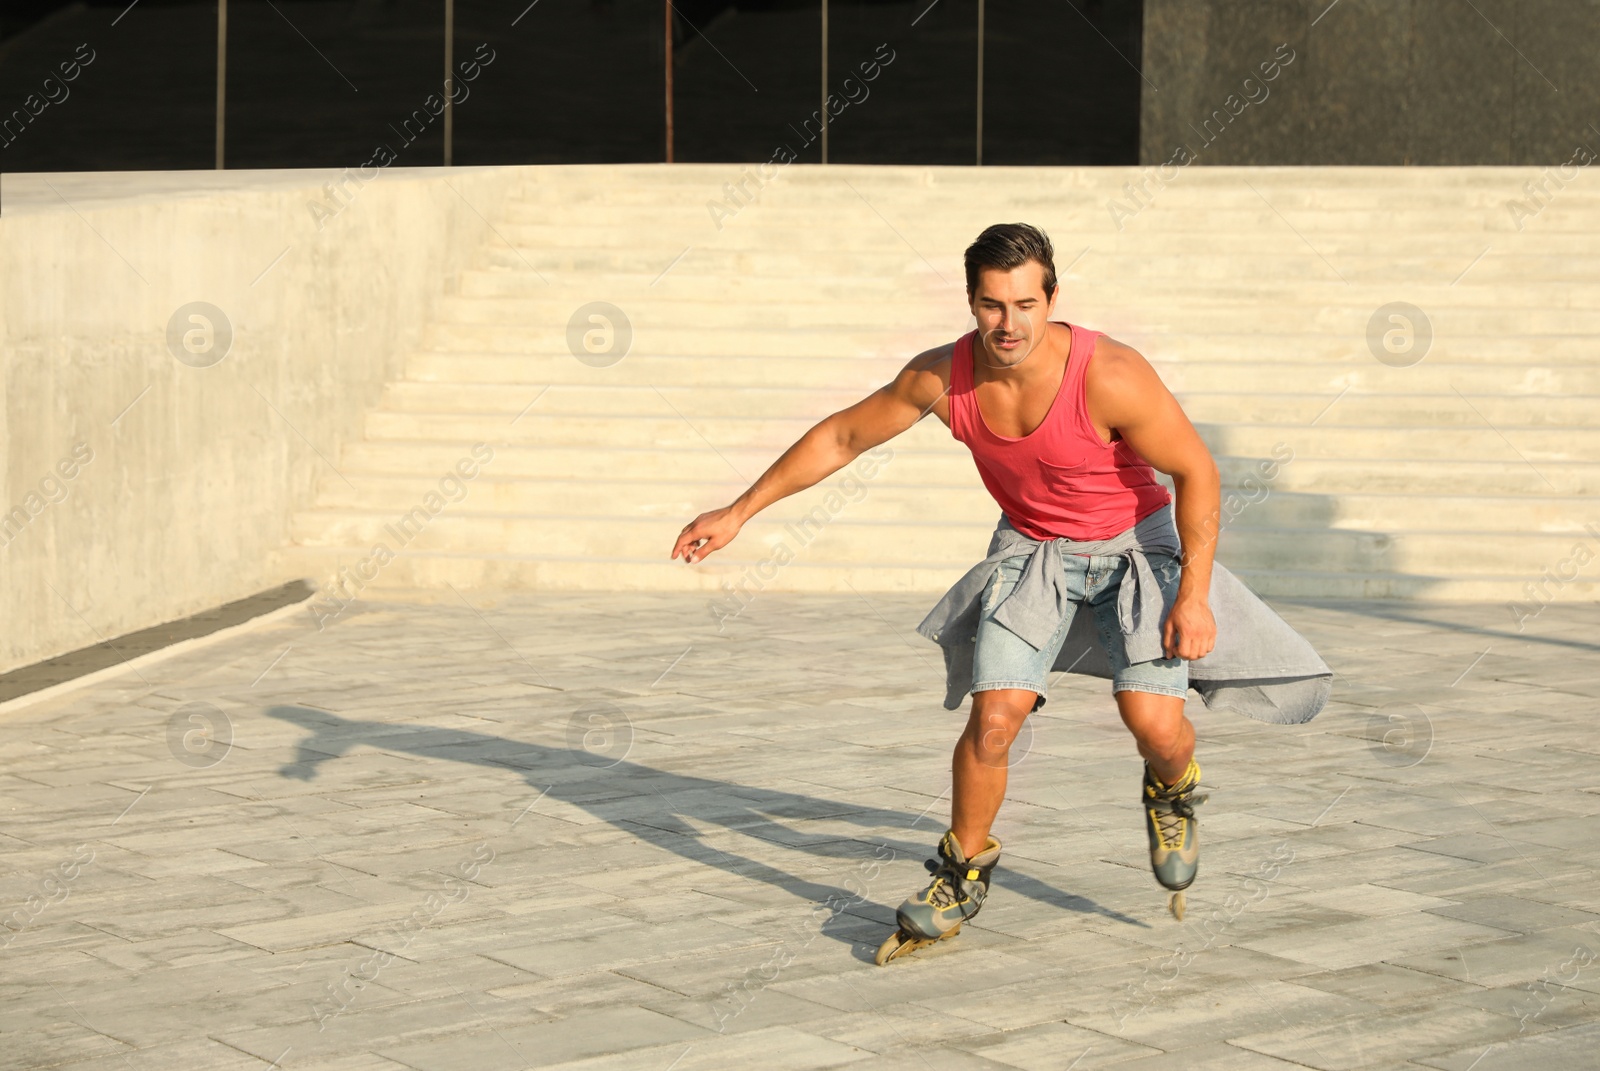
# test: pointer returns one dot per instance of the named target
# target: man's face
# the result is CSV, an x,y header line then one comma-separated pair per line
x,y
1013,312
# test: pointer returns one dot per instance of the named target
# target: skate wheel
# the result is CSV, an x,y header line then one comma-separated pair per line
x,y
1176,905
891,947
899,943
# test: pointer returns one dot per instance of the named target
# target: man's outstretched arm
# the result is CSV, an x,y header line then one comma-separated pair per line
x,y
1127,395
829,446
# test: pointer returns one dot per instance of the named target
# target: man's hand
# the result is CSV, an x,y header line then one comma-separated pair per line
x,y
1189,631
706,533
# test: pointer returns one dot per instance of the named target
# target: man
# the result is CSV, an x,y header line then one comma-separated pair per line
x,y
1067,427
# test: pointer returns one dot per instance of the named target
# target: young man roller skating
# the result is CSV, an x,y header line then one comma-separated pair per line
x,y
1067,428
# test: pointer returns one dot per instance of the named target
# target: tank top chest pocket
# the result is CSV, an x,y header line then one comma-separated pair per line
x,y
1059,476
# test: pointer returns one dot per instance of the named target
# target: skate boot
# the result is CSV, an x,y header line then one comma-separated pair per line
x,y
1174,831
955,895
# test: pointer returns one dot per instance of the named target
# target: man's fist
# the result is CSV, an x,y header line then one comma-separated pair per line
x,y
1189,631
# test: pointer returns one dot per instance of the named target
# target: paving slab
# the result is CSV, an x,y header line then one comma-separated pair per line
x,y
1569,1049
592,831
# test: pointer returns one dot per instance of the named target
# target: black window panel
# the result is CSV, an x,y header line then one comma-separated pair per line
x,y
329,83
922,106
1061,81
573,81
746,77
324,83
146,100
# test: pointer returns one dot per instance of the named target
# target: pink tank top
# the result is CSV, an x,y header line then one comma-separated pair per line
x,y
1061,479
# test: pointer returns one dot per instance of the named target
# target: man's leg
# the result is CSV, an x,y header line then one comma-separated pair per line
x,y
967,854
1164,734
1166,740
1008,682
982,759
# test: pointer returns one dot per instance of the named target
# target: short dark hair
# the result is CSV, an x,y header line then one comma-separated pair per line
x,y
1010,245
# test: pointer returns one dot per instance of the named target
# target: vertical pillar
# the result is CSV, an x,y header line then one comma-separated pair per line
x,y
666,9
980,84
824,81
222,78
449,59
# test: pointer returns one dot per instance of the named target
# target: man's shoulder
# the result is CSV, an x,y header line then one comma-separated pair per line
x,y
924,381
1116,366
932,365
930,358
1113,354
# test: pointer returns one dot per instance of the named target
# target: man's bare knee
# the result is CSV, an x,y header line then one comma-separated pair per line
x,y
1159,726
997,717
1164,736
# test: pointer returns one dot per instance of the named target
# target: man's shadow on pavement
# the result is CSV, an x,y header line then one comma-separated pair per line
x,y
569,774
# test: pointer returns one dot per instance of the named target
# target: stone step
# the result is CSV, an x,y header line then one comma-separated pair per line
x,y
723,582
778,218
953,467
693,285
1238,191
1173,204
943,243
1518,282
842,536
666,429
1100,208
1513,260
1538,309
533,370
1250,501
861,375
907,178
706,341
941,326
1329,409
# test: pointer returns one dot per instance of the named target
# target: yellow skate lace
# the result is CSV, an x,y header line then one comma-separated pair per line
x,y
941,894
1170,818
1172,812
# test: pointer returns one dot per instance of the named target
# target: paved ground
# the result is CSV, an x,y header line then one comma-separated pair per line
x,y
593,831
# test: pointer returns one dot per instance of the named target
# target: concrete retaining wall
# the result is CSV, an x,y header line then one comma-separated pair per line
x,y
140,487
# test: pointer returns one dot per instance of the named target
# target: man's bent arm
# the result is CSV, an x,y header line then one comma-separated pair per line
x,y
1127,395
830,445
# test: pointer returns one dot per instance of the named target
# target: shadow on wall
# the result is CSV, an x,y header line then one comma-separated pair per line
x,y
653,804
1269,532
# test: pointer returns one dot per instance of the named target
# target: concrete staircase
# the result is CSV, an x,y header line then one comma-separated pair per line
x,y
1470,474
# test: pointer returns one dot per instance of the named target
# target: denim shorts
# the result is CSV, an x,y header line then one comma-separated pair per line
x,y
1005,660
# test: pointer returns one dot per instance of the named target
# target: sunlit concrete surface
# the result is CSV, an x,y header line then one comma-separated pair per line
x,y
597,830
1393,367
180,350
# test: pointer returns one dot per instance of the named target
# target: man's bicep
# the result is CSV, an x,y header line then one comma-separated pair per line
x,y
883,414
1148,417
893,407
1163,436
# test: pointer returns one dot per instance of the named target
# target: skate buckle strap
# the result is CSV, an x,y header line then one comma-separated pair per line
x,y
932,866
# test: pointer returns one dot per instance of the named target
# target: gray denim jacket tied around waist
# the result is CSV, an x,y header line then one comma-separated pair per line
x,y
1260,666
